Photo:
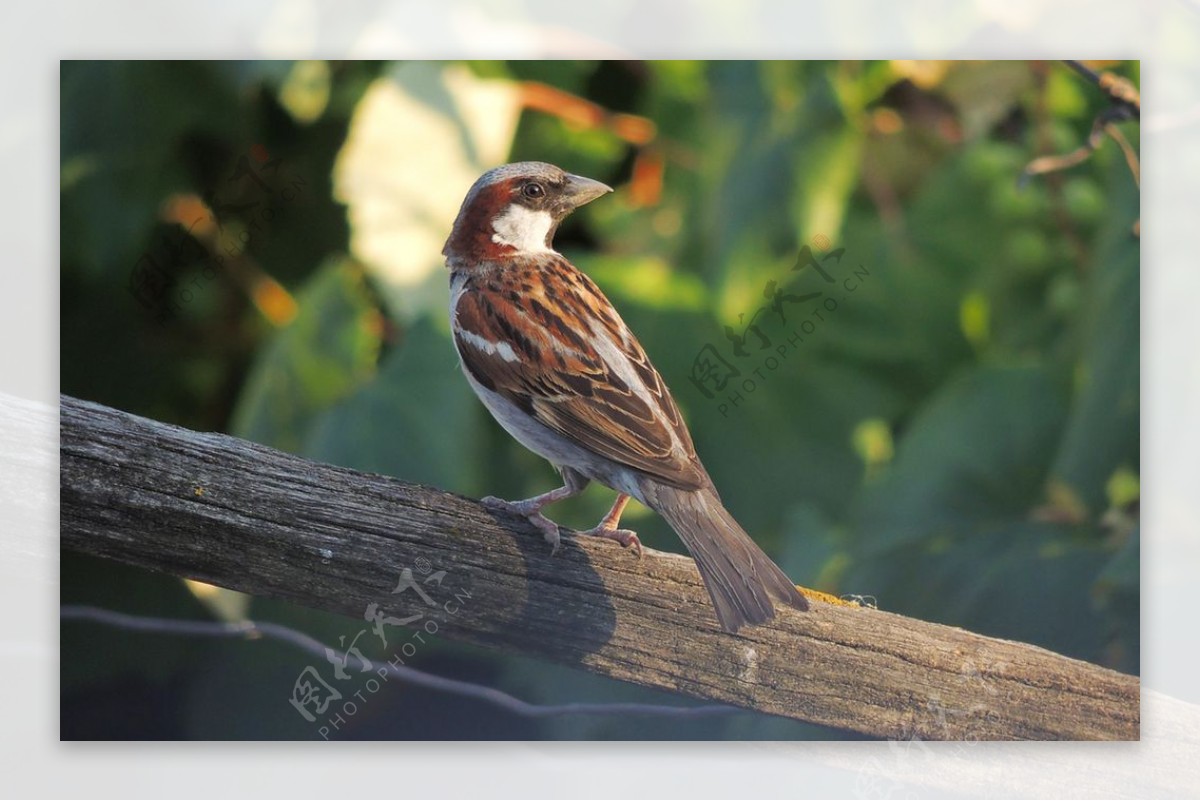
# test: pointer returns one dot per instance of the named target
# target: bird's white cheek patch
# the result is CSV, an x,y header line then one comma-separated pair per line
x,y
522,228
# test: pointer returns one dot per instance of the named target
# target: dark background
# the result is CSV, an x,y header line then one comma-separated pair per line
x,y
252,248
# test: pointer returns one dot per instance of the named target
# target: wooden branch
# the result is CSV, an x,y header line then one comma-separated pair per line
x,y
243,516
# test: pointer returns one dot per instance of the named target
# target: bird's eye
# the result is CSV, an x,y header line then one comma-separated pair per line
x,y
532,190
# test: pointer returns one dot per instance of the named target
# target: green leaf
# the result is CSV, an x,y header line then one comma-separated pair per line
x,y
328,350
402,192
122,131
1102,434
976,455
812,553
1015,580
646,280
417,420
1122,574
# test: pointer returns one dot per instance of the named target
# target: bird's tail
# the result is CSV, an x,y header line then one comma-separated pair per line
x,y
740,578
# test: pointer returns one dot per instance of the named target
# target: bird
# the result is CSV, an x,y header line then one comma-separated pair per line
x,y
561,372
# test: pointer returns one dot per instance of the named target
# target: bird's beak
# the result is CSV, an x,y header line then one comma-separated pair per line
x,y
582,190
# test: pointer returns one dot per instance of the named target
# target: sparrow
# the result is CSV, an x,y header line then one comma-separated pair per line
x,y
557,367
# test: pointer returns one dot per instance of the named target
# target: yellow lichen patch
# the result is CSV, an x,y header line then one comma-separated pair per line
x,y
826,598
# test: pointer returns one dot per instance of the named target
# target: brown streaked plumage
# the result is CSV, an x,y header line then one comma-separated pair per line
x,y
573,391
552,360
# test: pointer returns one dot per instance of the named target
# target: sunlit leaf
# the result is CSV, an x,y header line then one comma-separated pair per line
x,y
1102,434
873,442
305,92
647,280
417,419
975,457
1123,487
230,606
419,138
985,91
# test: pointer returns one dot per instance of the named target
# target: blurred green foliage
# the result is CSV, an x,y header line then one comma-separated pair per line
x,y
957,437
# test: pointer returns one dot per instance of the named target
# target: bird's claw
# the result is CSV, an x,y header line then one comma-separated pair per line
x,y
531,513
518,508
627,538
549,531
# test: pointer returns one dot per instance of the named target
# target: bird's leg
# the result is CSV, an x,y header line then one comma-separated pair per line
x,y
531,508
607,527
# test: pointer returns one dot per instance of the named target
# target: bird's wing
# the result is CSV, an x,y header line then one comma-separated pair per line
x,y
541,334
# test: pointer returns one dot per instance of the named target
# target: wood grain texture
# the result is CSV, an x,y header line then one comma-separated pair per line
x,y
243,516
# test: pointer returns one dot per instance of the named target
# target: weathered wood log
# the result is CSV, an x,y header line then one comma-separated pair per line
x,y
250,518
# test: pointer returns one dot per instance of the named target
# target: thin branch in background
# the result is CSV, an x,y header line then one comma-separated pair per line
x,y
1119,90
1102,125
651,151
1054,181
1126,104
1131,157
250,629
582,113
270,297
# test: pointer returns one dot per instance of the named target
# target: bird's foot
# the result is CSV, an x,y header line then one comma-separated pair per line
x,y
627,538
531,511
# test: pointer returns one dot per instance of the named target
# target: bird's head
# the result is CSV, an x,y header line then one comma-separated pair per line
x,y
516,209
